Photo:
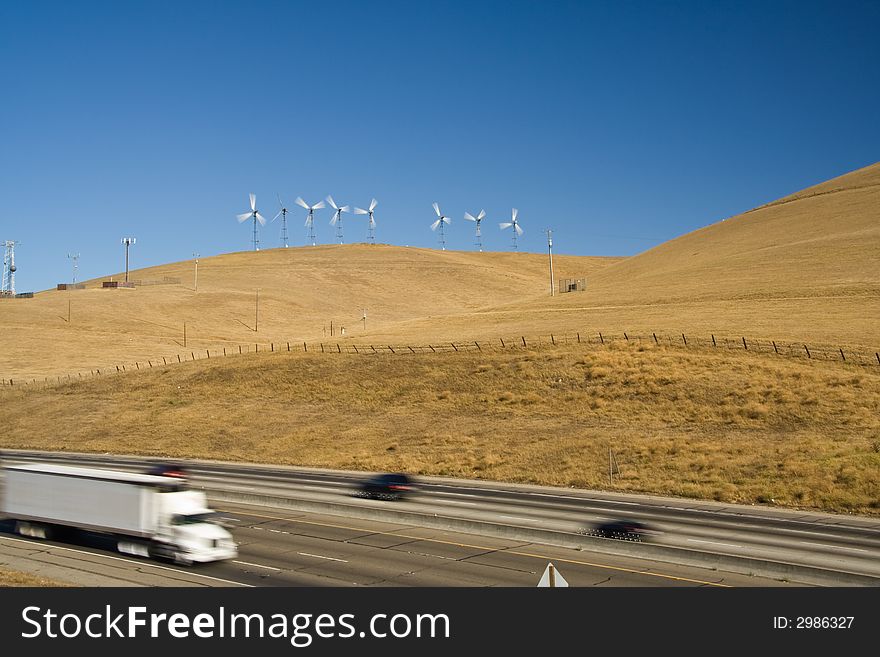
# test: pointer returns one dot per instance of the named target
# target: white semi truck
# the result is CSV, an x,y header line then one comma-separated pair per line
x,y
151,516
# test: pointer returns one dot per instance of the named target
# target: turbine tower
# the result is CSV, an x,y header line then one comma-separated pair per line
x,y
477,220
371,230
441,221
337,217
310,220
513,222
256,216
283,214
8,286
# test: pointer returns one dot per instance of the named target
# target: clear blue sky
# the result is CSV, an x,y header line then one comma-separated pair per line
x,y
618,124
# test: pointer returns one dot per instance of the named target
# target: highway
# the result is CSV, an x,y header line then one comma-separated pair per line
x,y
284,548
512,519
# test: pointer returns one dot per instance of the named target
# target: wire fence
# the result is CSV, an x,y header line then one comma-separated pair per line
x,y
798,350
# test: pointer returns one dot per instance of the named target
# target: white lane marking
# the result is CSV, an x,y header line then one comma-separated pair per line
x,y
230,519
319,556
696,540
460,502
521,519
833,547
257,565
46,548
276,531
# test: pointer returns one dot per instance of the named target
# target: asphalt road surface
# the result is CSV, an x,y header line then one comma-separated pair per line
x,y
839,543
282,548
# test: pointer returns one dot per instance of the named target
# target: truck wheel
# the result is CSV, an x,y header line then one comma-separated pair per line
x,y
161,552
183,560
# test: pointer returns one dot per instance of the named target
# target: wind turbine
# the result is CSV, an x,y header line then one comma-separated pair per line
x,y
310,220
256,216
372,225
477,220
283,214
513,222
441,220
337,217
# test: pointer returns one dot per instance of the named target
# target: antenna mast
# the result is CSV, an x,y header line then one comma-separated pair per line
x,y
127,241
74,257
8,285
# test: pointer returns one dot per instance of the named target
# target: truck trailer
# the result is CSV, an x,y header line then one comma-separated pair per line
x,y
148,515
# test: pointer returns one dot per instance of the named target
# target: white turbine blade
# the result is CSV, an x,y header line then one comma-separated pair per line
x,y
344,208
253,198
446,220
317,206
276,216
506,224
361,211
301,203
335,217
260,218
332,204
244,217
437,209
519,231
435,224
482,214
308,220
513,215
373,204
469,216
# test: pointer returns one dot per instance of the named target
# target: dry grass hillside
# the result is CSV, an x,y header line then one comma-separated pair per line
x,y
702,421
708,423
301,291
805,267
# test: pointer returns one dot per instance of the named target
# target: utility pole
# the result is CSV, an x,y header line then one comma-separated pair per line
x,y
127,241
550,254
365,319
196,284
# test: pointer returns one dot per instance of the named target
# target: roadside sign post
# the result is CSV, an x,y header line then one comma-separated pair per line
x,y
552,578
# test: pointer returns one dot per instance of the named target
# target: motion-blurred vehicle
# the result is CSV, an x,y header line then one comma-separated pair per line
x,y
625,530
390,486
168,470
147,515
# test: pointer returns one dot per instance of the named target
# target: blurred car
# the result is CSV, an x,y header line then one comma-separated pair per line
x,y
168,470
626,530
390,486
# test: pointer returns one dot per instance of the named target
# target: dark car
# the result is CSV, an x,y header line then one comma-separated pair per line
x,y
625,530
387,487
168,470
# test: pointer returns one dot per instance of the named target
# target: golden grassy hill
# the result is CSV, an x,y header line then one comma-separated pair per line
x,y
708,423
805,267
301,291
701,422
